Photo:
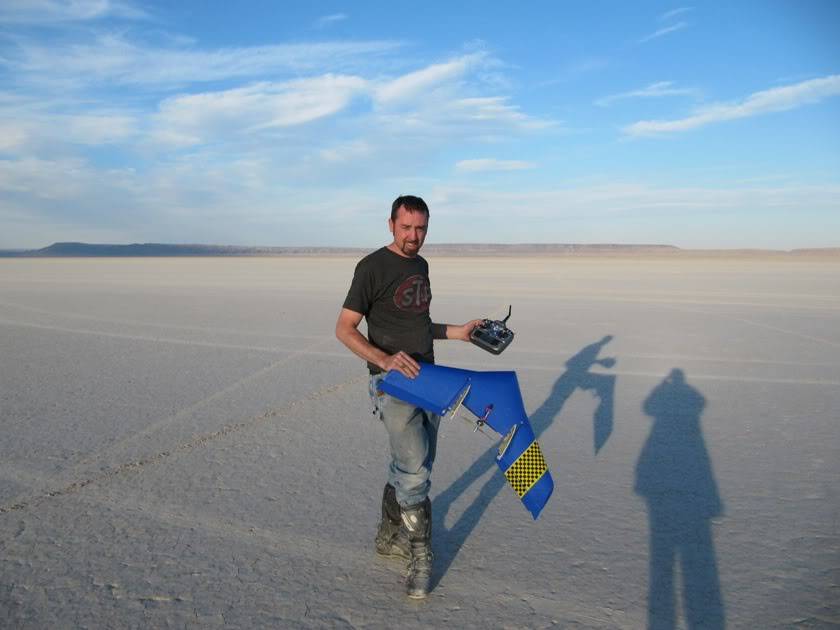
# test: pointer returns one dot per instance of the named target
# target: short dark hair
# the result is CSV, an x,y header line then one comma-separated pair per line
x,y
411,203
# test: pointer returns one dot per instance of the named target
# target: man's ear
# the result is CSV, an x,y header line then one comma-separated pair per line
x,y
391,225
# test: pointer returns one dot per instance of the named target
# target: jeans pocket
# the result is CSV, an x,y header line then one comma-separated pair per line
x,y
377,397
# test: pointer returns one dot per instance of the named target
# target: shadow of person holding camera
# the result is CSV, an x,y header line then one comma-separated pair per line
x,y
674,475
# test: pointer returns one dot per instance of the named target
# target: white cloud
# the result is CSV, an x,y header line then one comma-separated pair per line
x,y
578,68
12,136
113,59
443,101
674,13
195,118
57,11
482,165
773,100
416,84
664,31
327,20
249,200
441,120
430,105
654,90
347,152
46,179
223,163
622,212
497,109
98,129
614,200
28,126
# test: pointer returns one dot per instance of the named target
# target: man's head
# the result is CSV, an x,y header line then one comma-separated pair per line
x,y
408,223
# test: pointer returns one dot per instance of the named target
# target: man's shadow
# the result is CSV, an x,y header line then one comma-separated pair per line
x,y
448,542
674,476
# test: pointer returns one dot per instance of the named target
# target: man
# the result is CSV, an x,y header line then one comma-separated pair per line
x,y
391,290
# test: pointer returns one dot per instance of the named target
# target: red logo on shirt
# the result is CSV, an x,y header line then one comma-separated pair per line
x,y
414,294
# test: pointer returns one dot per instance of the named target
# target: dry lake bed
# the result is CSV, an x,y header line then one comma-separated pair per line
x,y
185,444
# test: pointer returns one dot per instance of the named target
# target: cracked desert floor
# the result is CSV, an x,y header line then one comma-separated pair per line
x,y
185,444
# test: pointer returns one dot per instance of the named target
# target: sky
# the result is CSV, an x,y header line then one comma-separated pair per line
x,y
707,125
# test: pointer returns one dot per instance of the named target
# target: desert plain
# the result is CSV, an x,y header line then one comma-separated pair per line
x,y
185,444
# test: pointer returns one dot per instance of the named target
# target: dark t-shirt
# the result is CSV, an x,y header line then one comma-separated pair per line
x,y
393,293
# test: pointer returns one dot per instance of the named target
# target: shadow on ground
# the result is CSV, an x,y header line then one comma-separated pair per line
x,y
674,476
448,541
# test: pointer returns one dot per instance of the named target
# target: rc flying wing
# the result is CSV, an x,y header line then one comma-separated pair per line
x,y
495,400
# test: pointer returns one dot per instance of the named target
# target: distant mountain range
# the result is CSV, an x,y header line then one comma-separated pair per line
x,y
163,250
80,250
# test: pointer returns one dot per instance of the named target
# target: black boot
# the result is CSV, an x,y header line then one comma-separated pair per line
x,y
417,522
391,540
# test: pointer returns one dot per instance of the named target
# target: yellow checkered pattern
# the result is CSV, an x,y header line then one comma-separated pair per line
x,y
526,470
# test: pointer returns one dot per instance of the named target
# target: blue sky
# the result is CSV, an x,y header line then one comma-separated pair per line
x,y
279,123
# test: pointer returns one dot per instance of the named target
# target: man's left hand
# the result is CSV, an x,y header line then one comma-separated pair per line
x,y
463,331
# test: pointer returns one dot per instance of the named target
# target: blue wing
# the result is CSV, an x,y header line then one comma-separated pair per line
x,y
496,399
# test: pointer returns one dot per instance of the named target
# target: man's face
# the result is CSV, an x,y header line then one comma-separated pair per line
x,y
409,230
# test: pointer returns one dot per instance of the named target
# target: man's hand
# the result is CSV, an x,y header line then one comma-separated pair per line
x,y
402,363
347,331
463,331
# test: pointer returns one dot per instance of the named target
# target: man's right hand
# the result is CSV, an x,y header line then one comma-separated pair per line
x,y
347,332
402,363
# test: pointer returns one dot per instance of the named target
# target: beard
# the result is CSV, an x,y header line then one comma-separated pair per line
x,y
410,247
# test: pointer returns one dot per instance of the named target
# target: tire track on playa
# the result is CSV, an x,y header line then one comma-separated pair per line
x,y
308,351
137,322
171,340
521,367
76,470
658,375
579,296
311,351
787,332
731,379
751,322
565,353
200,441
513,351
174,418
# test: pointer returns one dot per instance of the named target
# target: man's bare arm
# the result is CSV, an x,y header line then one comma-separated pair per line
x,y
462,332
347,332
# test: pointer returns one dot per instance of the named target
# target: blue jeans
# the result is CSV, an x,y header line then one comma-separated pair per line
x,y
412,433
